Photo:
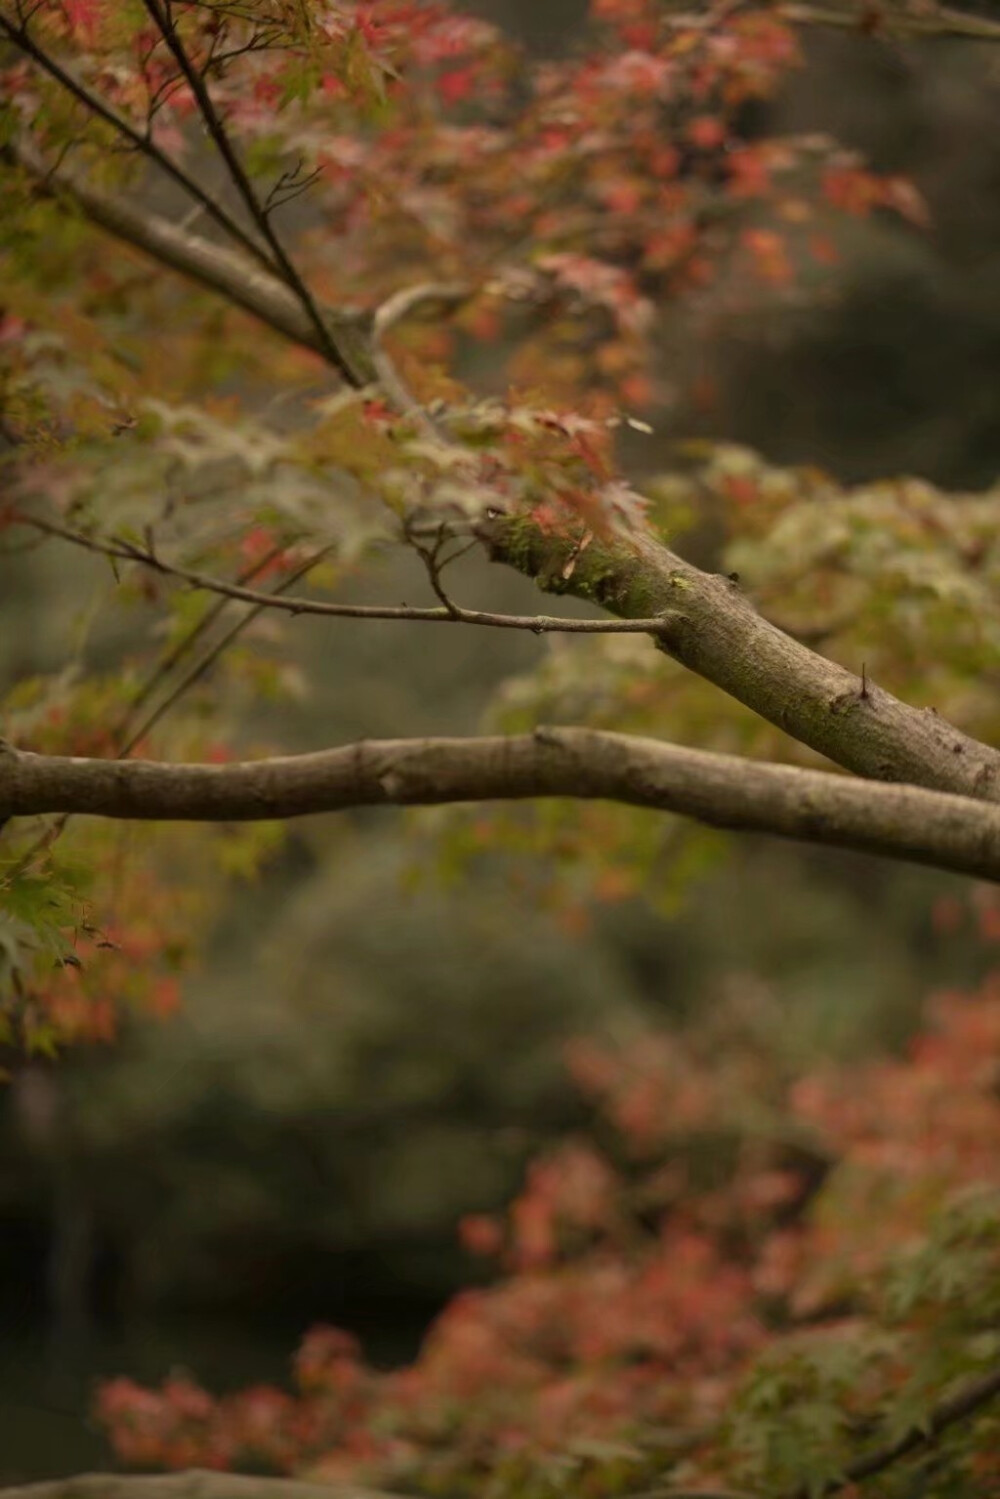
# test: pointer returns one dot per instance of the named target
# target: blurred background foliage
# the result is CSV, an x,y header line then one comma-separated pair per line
x,y
371,1045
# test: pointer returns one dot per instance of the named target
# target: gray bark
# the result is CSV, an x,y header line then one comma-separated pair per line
x,y
906,822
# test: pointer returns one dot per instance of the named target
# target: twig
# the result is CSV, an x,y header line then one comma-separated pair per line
x,y
188,641
206,662
289,185
538,624
430,556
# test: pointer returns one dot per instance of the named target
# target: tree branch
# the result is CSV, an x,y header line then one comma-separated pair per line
x,y
904,822
714,630
141,141
876,20
199,1484
295,604
339,356
393,311
239,281
195,1483
966,1402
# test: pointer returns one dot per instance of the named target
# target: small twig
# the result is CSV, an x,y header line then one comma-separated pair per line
x,y
188,641
430,556
220,646
461,551
538,624
289,185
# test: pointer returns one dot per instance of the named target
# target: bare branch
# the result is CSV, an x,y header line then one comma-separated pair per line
x,y
448,613
430,556
902,822
196,1484
142,141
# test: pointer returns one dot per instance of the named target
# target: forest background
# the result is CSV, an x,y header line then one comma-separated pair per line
x,y
373,1044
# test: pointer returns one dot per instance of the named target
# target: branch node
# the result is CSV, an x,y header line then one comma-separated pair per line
x,y
546,734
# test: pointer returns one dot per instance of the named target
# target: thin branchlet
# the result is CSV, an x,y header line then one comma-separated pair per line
x,y
118,549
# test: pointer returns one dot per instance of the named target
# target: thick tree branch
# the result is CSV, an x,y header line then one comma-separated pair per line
x,y
714,630
904,822
200,1484
195,1483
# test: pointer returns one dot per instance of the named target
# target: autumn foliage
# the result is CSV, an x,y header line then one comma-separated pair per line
x,y
734,1277
568,199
